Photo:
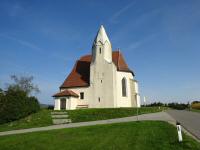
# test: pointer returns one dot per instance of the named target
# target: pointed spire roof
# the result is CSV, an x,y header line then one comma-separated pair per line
x,y
101,36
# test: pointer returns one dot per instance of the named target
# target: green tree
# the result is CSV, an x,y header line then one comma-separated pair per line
x,y
1,92
16,102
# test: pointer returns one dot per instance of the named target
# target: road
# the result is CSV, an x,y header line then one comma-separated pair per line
x,y
189,120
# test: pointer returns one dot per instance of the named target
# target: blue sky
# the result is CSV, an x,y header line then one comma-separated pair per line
x,y
159,39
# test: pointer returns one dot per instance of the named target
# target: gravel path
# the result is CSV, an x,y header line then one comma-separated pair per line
x,y
189,120
160,116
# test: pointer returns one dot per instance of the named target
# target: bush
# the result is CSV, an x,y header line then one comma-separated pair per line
x,y
15,104
50,107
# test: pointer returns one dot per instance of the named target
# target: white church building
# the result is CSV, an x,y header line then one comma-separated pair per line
x,y
100,80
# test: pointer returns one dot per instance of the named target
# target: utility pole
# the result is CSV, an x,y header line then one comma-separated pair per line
x,y
144,100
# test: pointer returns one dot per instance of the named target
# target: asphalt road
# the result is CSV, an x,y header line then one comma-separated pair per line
x,y
189,120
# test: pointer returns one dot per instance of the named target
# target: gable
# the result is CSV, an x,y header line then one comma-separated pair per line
x,y
80,74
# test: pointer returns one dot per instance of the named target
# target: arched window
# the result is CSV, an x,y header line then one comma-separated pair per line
x,y
124,87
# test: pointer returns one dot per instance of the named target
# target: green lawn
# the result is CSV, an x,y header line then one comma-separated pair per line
x,y
43,117
81,115
39,119
196,110
146,135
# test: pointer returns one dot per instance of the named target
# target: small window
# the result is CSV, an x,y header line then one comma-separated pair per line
x,y
100,50
82,95
99,99
101,81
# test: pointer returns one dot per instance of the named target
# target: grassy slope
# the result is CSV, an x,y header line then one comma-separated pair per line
x,y
148,135
39,119
108,113
43,118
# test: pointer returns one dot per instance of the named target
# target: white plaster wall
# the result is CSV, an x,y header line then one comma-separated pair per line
x,y
123,101
87,94
110,91
107,52
73,102
56,104
102,78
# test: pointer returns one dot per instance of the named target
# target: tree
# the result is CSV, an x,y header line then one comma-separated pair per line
x,y
1,92
15,104
23,83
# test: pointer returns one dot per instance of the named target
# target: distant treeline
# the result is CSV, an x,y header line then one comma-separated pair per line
x,y
179,106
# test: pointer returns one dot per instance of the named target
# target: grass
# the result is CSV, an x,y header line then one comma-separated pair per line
x,y
43,117
146,135
81,115
39,119
195,110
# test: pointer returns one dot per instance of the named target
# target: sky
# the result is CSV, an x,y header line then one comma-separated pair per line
x,y
159,39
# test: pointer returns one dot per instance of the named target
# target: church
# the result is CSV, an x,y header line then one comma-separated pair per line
x,y
100,80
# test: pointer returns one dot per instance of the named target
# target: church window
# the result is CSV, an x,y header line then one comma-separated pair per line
x,y
100,50
82,95
99,99
101,81
124,87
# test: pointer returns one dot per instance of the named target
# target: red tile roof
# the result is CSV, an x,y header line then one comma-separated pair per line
x,y
80,74
66,93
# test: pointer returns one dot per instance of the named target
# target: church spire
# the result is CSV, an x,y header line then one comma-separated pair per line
x,y
101,36
102,47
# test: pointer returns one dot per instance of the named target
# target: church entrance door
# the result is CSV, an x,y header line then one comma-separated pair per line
x,y
63,103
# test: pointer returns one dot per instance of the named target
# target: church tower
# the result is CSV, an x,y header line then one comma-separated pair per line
x,y
102,72
102,46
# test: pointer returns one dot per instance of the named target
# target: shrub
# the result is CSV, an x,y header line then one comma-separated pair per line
x,y
15,104
50,107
